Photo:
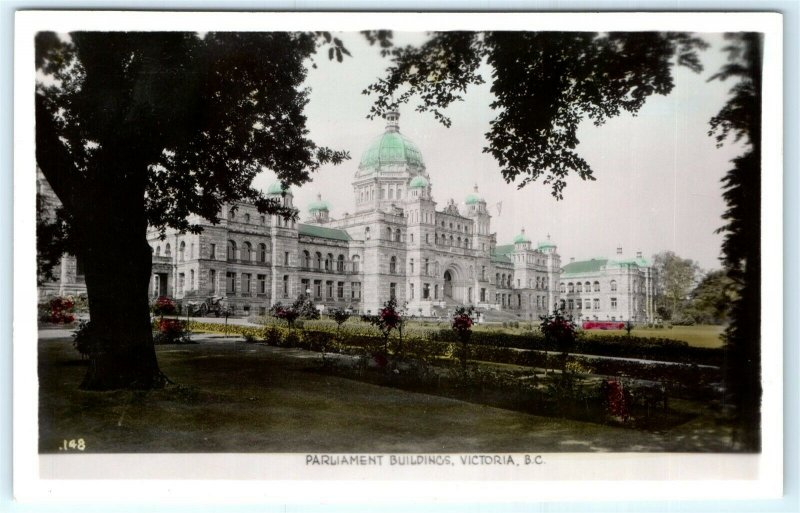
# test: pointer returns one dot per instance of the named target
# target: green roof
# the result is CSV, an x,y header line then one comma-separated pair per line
x,y
545,244
521,238
586,266
276,188
500,254
321,232
641,262
418,181
472,199
391,148
319,205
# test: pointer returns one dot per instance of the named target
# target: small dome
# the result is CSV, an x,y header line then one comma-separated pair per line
x,y
474,197
418,182
319,206
519,239
277,188
545,244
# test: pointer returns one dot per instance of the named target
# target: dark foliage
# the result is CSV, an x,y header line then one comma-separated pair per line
x,y
545,84
740,119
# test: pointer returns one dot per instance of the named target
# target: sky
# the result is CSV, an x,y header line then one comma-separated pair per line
x,y
657,173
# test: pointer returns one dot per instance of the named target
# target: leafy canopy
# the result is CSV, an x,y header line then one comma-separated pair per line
x,y
544,84
179,122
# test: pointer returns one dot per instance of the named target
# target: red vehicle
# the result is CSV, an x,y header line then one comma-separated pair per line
x,y
603,325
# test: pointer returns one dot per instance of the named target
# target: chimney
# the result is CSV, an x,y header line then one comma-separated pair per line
x,y
571,259
638,254
619,250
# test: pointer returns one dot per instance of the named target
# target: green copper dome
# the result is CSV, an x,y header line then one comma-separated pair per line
x,y
277,188
319,206
546,244
418,182
391,148
521,238
474,197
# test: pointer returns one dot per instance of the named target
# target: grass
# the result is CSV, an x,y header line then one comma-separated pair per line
x,y
697,336
235,397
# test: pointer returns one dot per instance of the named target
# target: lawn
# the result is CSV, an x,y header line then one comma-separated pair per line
x,y
697,336
230,396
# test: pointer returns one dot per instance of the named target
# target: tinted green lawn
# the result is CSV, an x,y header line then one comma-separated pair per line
x,y
698,336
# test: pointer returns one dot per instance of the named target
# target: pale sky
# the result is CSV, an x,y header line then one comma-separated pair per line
x,y
658,174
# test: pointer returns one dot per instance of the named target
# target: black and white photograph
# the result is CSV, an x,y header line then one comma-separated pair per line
x,y
451,247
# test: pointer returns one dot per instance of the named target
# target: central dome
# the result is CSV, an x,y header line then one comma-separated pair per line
x,y
391,149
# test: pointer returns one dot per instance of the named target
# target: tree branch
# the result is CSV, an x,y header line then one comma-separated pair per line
x,y
53,159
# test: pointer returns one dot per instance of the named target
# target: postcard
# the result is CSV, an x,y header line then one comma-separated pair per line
x,y
369,257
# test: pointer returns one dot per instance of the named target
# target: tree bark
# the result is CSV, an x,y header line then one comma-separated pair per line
x,y
117,282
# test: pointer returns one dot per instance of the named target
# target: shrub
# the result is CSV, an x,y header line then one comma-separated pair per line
x,y
163,306
291,340
171,331
58,311
272,336
81,339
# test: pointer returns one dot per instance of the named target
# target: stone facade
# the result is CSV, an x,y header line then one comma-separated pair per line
x,y
396,243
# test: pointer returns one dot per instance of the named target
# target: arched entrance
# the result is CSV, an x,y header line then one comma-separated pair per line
x,y
448,284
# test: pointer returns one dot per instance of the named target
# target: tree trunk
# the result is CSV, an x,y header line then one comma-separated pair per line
x,y
118,268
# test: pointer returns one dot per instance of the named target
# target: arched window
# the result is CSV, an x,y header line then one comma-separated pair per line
x,y
411,238
597,286
319,259
451,240
158,250
262,253
366,233
247,252
306,259
167,250
436,268
466,243
356,261
181,251
497,279
436,238
247,218
329,262
613,286
340,264
571,287
263,219
231,250
388,234
397,235
459,242
579,287
232,215
562,288
503,280
587,287
393,265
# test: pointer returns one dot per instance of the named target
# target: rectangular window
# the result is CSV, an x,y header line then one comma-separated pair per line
x,y
355,290
285,285
427,267
285,258
613,303
340,290
191,279
305,286
411,265
483,295
329,289
318,289
212,278
570,304
411,290
587,305
436,291
262,283
596,304
213,252
426,291
181,282
392,290
230,283
246,282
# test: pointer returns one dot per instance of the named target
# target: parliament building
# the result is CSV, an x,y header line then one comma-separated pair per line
x,y
397,242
